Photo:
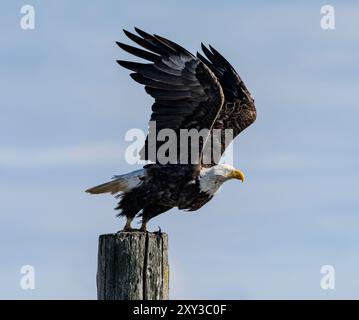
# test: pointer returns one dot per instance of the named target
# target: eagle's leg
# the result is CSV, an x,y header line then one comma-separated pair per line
x,y
151,211
144,226
127,226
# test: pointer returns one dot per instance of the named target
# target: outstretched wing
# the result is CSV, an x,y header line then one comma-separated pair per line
x,y
187,93
238,111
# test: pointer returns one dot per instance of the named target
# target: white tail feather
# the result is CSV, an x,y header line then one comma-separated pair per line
x,y
122,183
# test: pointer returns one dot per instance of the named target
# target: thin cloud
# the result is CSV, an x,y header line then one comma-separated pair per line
x,y
82,154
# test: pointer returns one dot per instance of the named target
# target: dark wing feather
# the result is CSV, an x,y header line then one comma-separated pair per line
x,y
187,94
238,111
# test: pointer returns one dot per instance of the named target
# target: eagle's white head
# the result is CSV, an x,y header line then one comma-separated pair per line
x,y
211,179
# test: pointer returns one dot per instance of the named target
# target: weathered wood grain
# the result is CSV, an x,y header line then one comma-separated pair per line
x,y
133,266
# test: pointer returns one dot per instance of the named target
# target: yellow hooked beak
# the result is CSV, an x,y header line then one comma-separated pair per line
x,y
236,174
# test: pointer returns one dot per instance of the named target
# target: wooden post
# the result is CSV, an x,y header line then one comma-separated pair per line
x,y
133,266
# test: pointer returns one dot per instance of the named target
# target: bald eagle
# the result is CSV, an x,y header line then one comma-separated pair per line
x,y
190,92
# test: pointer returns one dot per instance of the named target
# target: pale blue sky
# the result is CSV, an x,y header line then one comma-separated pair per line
x,y
66,106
